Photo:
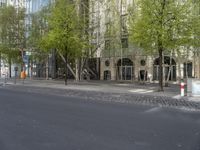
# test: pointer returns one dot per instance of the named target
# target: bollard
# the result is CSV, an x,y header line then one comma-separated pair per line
x,y
182,89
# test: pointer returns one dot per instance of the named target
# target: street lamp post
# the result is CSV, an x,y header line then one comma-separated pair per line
x,y
121,39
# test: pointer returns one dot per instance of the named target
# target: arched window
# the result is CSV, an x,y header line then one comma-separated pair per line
x,y
125,69
169,68
107,75
188,69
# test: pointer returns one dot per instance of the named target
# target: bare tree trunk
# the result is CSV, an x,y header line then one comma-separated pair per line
x,y
194,64
186,66
168,75
53,64
199,65
0,65
139,75
160,47
87,73
98,67
65,61
82,64
179,69
9,61
170,69
161,68
145,75
145,70
77,69
47,68
66,69
186,69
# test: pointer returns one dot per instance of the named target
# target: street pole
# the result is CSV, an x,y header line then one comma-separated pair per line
x,y
121,38
15,76
0,65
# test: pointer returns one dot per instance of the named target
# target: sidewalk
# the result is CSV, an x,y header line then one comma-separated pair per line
x,y
104,86
110,91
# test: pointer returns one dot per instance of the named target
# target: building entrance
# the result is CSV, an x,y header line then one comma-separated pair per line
x,y
125,69
188,69
169,68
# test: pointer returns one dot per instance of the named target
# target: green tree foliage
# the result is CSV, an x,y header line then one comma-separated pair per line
x,y
38,28
158,26
113,31
115,28
65,31
195,24
12,32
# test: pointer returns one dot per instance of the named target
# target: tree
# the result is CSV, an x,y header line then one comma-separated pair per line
x,y
196,31
159,26
195,22
37,29
64,31
12,33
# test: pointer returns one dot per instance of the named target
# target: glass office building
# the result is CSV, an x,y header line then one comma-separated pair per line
x,y
38,4
3,3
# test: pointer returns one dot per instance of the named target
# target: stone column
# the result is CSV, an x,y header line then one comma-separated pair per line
x,y
102,61
150,69
182,70
136,67
113,69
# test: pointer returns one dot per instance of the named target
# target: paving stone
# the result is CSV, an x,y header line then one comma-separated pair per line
x,y
156,98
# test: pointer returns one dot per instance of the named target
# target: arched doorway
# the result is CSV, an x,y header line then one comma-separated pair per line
x,y
107,75
125,69
168,62
188,69
142,75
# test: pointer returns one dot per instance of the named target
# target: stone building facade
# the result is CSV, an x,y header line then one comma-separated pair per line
x,y
108,24
147,68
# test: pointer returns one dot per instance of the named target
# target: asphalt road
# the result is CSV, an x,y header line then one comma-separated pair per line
x,y
47,122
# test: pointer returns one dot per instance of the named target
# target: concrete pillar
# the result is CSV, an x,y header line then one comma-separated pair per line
x,y
182,70
198,68
113,69
102,62
178,69
137,67
150,69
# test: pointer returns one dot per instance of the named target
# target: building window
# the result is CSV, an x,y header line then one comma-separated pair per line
x,y
2,4
107,45
107,63
188,69
143,62
124,42
124,24
108,29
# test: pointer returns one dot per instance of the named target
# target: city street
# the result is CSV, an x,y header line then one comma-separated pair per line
x,y
41,121
99,75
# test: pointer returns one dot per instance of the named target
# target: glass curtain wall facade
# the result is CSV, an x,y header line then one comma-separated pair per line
x,y
40,69
3,3
38,4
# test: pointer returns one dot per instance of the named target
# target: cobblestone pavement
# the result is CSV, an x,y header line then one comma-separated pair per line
x,y
106,86
153,99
